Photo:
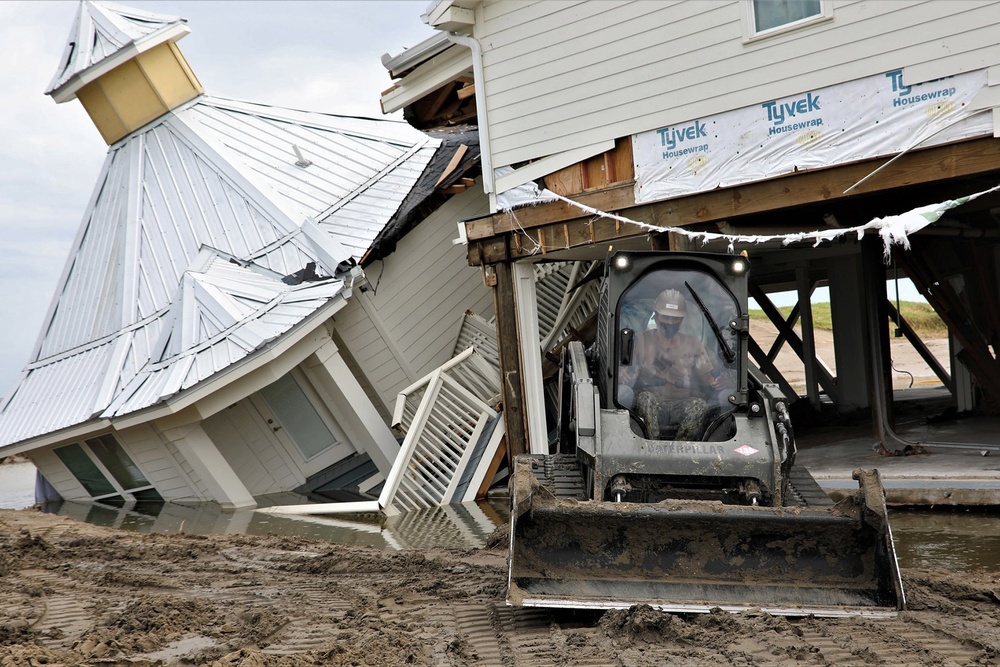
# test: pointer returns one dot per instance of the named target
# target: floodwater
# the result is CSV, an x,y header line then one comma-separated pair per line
x,y
17,486
953,539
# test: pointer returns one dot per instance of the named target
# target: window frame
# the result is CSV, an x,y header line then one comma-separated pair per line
x,y
127,495
751,34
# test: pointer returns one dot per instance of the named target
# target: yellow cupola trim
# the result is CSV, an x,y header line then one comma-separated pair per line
x,y
124,67
139,91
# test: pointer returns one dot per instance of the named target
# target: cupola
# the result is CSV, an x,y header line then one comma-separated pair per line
x,y
124,66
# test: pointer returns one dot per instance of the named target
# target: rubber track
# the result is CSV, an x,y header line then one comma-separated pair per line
x,y
561,474
805,490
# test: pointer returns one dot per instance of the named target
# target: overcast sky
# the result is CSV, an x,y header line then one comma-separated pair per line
x,y
321,56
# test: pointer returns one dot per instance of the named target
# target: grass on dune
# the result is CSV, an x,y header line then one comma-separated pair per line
x,y
920,316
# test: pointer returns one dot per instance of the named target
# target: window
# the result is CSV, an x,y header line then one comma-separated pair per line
x,y
674,341
85,470
110,453
107,472
767,17
296,414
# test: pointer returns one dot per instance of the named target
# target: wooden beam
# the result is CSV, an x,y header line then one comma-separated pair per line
x,y
432,104
498,458
805,288
553,237
822,375
511,390
779,340
466,91
924,268
922,350
958,160
770,370
452,163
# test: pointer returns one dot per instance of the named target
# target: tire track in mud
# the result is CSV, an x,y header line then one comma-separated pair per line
x,y
890,642
540,637
291,602
525,632
468,635
63,618
63,622
299,636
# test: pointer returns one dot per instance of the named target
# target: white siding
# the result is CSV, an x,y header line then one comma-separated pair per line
x,y
428,285
57,474
561,74
199,485
384,411
380,370
424,289
147,450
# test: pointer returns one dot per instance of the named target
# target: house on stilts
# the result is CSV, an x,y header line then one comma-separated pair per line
x,y
840,143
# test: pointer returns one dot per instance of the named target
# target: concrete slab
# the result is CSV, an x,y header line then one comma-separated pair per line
x,y
957,463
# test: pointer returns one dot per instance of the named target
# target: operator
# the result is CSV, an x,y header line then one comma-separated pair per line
x,y
671,373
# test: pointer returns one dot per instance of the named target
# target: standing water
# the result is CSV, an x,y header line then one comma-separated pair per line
x,y
17,485
955,540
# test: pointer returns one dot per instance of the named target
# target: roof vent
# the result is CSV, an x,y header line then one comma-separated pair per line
x,y
301,159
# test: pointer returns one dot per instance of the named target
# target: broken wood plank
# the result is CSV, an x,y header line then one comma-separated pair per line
x,y
466,91
498,458
452,163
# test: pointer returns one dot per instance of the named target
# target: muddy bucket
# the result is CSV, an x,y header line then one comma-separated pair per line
x,y
696,555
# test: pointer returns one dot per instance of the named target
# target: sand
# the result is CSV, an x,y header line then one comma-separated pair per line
x,y
78,594
908,367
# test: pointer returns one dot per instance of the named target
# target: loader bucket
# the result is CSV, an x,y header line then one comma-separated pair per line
x,y
693,556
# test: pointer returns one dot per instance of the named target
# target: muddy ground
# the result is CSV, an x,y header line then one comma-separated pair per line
x,y
78,594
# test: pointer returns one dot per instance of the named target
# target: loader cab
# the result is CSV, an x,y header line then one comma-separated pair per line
x,y
675,356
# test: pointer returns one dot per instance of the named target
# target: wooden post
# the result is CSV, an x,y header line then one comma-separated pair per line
x,y
511,389
877,321
851,343
804,286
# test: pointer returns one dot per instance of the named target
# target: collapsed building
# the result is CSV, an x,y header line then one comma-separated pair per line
x,y
214,335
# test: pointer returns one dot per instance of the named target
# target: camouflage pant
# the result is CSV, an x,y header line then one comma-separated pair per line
x,y
690,414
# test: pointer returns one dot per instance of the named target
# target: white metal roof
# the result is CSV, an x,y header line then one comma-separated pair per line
x,y
223,313
177,269
103,36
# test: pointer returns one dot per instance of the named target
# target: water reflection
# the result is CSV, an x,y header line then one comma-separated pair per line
x,y
956,540
465,526
952,539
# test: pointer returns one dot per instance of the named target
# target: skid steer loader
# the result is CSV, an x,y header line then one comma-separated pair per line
x,y
674,482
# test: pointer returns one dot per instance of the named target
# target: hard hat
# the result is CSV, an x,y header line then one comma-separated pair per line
x,y
670,303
